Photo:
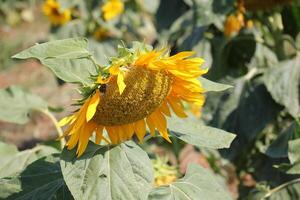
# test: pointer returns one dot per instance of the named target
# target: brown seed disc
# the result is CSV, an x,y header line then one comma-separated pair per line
x,y
145,91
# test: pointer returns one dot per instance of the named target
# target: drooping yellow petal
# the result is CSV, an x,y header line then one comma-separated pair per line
x,y
99,134
161,124
73,140
66,120
140,129
120,81
86,133
177,107
112,133
151,125
129,131
165,109
92,107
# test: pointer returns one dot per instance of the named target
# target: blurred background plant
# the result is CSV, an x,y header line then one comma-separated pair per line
x,y
250,44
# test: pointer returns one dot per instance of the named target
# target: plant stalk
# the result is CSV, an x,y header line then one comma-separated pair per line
x,y
58,128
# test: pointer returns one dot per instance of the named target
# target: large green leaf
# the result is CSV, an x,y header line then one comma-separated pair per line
x,y
198,183
211,86
104,50
16,105
103,172
166,16
67,48
12,161
69,59
40,180
238,109
72,70
192,131
282,82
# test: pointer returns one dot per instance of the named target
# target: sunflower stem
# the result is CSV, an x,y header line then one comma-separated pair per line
x,y
59,130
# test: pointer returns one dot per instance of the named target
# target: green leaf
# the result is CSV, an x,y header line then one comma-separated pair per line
x,y
16,105
294,157
193,132
203,50
12,161
282,82
40,180
68,59
166,16
294,149
103,172
67,48
238,109
286,191
198,183
279,148
72,70
150,6
102,51
211,86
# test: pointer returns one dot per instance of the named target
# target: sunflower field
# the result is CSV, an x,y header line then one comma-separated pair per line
x,y
150,99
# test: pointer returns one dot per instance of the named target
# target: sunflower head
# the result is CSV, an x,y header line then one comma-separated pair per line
x,y
112,9
138,89
51,9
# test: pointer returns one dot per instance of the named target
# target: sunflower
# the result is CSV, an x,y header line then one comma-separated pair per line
x,y
233,24
112,8
236,21
138,88
51,9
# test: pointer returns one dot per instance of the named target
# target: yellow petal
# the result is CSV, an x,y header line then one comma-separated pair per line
x,y
120,81
92,107
182,55
177,107
103,80
128,131
165,109
85,133
161,124
114,70
81,119
66,120
140,129
73,140
99,134
151,125
112,133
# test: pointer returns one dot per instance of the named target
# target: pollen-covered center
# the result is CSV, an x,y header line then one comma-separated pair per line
x,y
145,91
